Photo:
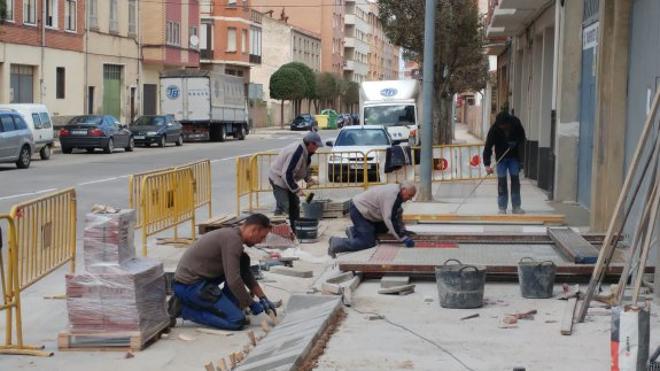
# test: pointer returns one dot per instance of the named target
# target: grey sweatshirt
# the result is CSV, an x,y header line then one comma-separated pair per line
x,y
382,204
290,166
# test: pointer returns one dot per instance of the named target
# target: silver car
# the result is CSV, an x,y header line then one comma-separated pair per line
x,y
16,141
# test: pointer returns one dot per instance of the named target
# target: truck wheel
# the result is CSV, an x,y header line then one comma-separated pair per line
x,y
45,152
242,133
217,133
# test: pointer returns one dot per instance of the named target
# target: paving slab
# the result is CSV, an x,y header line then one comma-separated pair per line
x,y
293,272
394,281
289,343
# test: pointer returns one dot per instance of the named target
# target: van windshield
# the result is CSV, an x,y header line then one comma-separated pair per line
x,y
390,115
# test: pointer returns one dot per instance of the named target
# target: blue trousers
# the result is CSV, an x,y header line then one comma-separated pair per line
x,y
224,313
364,233
512,166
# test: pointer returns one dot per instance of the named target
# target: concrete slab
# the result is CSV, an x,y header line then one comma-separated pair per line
x,y
293,272
289,343
398,290
393,281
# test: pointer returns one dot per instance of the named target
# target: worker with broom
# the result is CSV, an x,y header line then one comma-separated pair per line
x,y
218,258
289,167
508,137
376,210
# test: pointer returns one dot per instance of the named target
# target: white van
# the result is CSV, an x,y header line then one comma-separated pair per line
x,y
38,120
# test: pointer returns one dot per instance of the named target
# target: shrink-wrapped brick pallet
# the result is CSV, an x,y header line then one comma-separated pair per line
x,y
118,302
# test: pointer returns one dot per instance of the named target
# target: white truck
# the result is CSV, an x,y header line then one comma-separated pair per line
x,y
209,106
394,104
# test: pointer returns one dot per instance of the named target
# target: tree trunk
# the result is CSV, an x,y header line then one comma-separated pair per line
x,y
282,115
442,131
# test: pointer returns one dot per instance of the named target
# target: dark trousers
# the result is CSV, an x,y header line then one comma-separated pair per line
x,y
364,233
222,312
286,202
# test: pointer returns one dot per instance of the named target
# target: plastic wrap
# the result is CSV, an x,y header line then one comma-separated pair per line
x,y
117,292
127,297
108,239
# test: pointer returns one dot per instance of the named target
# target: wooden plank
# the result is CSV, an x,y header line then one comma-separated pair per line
x,y
567,318
555,219
571,244
132,341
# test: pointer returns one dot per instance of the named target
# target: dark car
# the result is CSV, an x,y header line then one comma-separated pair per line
x,y
304,121
356,118
344,119
95,131
160,130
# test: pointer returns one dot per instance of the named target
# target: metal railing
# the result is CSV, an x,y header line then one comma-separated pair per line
x,y
203,183
134,195
41,238
167,200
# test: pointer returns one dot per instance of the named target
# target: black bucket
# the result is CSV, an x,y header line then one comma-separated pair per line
x,y
313,210
460,286
307,229
537,279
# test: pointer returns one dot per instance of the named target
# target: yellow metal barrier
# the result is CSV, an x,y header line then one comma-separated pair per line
x,y
203,189
244,182
167,201
134,196
41,238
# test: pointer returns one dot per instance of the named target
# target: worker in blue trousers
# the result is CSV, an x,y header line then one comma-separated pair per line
x,y
218,258
377,210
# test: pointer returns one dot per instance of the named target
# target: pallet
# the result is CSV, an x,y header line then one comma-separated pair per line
x,y
121,341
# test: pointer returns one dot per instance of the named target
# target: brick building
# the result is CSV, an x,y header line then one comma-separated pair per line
x,y
41,54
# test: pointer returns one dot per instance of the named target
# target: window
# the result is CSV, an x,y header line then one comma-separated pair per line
x,y
59,83
132,19
231,2
19,123
93,17
244,41
51,13
21,84
30,11
173,35
231,39
70,15
114,21
7,123
9,10
45,121
193,32
36,120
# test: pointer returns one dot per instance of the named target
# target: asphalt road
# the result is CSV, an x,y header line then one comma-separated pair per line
x,y
103,178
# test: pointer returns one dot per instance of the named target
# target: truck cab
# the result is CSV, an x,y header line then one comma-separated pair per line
x,y
393,104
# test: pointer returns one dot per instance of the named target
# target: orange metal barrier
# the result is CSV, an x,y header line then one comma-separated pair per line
x,y
167,201
41,238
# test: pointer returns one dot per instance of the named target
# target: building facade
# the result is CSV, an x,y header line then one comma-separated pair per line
x,y
170,40
112,59
284,43
41,55
326,20
359,42
383,55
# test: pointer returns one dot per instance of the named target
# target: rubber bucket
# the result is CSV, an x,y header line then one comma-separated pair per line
x,y
307,229
460,286
313,210
537,279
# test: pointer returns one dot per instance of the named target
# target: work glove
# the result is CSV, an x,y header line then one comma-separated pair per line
x,y
268,305
489,170
408,242
256,308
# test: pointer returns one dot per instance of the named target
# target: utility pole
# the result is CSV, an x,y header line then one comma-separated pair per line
x,y
426,185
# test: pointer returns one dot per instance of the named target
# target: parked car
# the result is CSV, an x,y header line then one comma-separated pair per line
x,y
16,141
344,119
353,143
305,122
160,130
38,120
356,118
95,131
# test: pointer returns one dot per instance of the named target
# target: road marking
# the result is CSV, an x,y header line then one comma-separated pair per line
x,y
102,180
28,194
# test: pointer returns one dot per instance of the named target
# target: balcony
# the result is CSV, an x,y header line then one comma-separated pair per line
x,y
510,17
357,67
256,16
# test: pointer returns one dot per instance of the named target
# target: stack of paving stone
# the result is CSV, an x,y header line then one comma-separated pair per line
x,y
117,292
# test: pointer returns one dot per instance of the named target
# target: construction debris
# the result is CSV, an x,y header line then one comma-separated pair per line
x,y
394,281
476,315
293,272
399,290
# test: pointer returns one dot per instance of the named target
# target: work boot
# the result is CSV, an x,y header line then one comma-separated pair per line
x,y
174,308
502,212
332,243
517,210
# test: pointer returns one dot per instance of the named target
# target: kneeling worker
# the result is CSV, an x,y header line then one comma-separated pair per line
x,y
215,258
374,211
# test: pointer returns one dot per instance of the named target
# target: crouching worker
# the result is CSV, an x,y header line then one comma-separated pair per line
x,y
377,210
217,258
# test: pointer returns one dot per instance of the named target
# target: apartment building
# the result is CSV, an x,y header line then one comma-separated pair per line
x,y
326,20
359,45
230,37
283,43
170,40
41,54
112,59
